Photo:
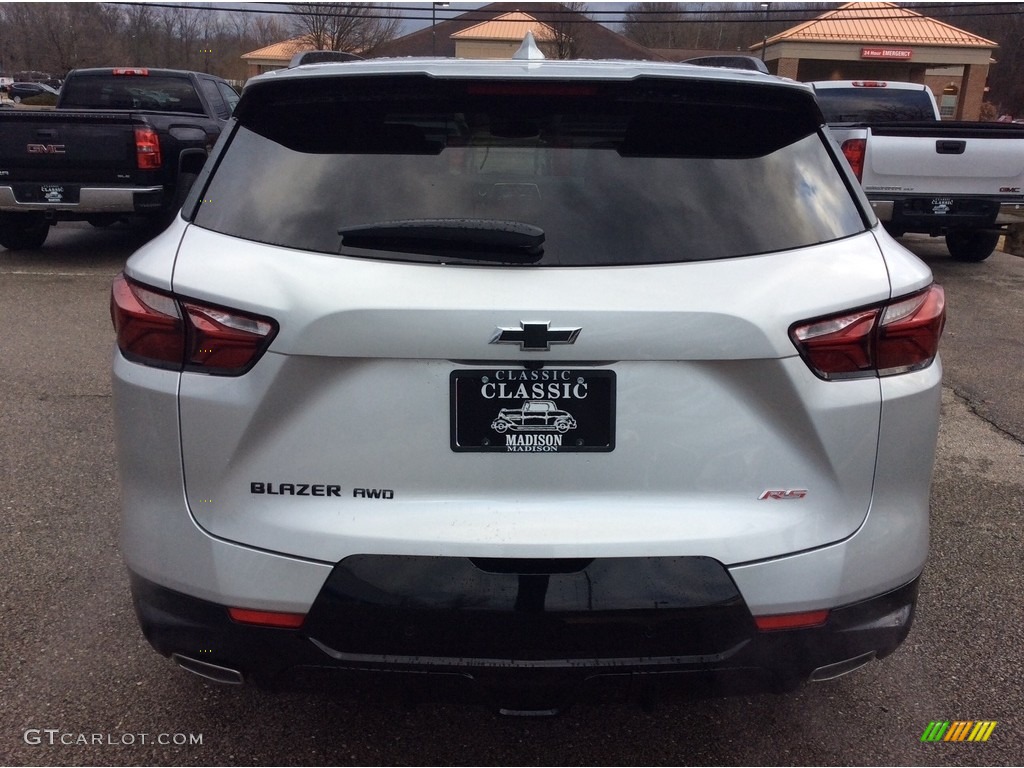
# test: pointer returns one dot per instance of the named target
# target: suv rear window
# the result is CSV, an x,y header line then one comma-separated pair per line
x,y
573,173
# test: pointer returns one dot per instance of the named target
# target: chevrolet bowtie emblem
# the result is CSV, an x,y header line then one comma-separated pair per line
x,y
535,337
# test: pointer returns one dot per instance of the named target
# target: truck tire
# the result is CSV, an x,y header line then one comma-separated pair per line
x,y
154,223
170,212
23,231
971,245
102,220
185,182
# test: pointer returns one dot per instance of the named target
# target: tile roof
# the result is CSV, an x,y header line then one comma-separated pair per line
x,y
507,26
599,42
282,51
881,22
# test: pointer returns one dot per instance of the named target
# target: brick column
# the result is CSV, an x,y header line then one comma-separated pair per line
x,y
788,68
972,92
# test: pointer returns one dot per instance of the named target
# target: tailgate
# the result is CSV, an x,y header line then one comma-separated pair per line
x,y
340,440
977,159
56,146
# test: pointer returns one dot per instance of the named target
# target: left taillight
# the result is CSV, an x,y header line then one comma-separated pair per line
x,y
156,328
855,150
893,338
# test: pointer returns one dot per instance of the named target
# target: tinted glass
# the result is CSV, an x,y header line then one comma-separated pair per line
x,y
213,98
874,105
153,93
613,174
228,94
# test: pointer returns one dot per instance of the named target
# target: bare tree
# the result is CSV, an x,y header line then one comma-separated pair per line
x,y
57,37
571,30
655,25
344,27
266,30
193,30
140,34
715,26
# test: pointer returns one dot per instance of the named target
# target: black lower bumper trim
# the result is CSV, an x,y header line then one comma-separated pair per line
x,y
483,613
523,644
941,214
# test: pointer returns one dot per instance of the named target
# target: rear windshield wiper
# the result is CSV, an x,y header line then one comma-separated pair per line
x,y
475,239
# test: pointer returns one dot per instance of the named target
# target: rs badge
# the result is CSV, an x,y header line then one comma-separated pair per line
x,y
783,495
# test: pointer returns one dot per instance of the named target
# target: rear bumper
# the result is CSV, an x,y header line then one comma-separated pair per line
x,y
87,200
527,635
928,213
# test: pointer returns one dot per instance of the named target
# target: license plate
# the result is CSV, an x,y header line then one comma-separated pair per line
x,y
52,193
548,410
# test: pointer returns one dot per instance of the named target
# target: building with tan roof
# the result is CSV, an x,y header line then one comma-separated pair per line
x,y
483,32
276,55
883,41
492,31
501,36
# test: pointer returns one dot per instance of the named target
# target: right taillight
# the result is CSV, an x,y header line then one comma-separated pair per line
x,y
161,330
897,337
854,150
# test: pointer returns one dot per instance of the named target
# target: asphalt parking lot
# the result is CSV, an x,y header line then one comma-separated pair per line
x,y
80,686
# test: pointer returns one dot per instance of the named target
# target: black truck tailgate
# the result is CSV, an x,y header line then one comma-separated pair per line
x,y
67,146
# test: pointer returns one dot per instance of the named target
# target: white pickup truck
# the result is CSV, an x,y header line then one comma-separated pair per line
x,y
963,180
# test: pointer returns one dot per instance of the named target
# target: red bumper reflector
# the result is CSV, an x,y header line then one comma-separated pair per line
x,y
267,618
791,621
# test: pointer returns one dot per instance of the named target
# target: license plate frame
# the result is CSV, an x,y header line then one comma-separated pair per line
x,y
544,410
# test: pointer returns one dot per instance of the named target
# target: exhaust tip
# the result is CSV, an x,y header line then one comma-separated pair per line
x,y
507,712
212,672
832,671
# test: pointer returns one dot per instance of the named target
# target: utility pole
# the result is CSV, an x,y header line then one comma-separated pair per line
x,y
764,40
433,21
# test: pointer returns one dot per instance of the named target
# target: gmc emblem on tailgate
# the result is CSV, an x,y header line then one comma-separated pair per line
x,y
45,149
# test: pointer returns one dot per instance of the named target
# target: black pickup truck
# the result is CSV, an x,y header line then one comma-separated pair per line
x,y
122,143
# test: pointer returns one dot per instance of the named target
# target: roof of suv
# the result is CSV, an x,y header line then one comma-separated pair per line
x,y
519,68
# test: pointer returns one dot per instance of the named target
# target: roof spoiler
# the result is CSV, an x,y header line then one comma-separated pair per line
x,y
321,57
731,61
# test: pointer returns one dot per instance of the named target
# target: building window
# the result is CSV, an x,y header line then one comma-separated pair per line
x,y
947,102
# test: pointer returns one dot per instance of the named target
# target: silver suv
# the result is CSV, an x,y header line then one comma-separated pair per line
x,y
381,256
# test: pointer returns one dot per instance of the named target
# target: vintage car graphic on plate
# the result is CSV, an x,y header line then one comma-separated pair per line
x,y
534,416
516,410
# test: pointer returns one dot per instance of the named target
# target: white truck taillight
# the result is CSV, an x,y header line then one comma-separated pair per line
x,y
854,150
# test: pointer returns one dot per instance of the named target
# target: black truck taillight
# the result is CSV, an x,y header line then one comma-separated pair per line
x,y
147,149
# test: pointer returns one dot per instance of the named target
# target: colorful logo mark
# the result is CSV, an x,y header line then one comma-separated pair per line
x,y
959,730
